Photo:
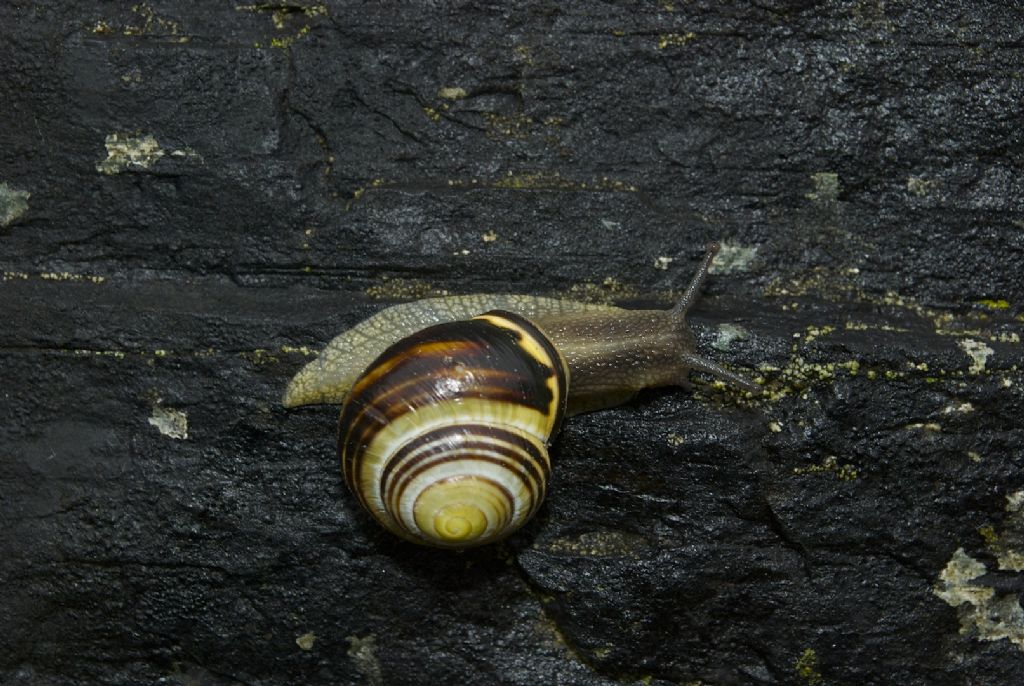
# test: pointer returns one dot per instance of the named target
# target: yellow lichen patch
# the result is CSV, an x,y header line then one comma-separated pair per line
x,y
597,544
814,332
13,204
302,350
432,114
285,18
15,276
358,193
838,285
800,373
146,23
85,352
830,465
994,304
667,40
828,283
518,126
403,289
125,151
806,667
489,237
675,440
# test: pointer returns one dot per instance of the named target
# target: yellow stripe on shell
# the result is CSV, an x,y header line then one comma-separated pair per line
x,y
538,352
518,419
461,512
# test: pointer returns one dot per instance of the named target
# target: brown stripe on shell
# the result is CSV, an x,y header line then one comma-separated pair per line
x,y
561,369
401,469
532,460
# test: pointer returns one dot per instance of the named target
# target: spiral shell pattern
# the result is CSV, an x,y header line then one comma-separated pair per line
x,y
444,438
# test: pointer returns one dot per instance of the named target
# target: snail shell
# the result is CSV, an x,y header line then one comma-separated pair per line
x,y
447,413
444,439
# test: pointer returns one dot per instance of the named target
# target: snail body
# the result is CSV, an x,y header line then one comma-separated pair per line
x,y
447,413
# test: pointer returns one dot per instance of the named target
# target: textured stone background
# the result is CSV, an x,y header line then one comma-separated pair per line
x,y
195,196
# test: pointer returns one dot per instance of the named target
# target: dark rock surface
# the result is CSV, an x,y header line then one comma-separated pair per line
x,y
195,195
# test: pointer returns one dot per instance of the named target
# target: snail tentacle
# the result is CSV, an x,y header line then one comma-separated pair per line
x,y
693,291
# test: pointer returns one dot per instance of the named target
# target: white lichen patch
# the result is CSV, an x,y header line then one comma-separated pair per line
x,y
611,225
13,204
958,408
675,440
125,151
954,581
982,613
306,640
489,237
187,153
732,258
727,334
170,422
826,187
662,263
978,352
363,652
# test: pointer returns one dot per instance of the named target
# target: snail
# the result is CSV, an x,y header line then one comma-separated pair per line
x,y
449,404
